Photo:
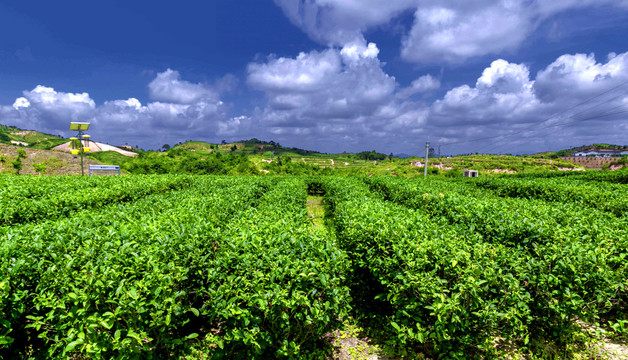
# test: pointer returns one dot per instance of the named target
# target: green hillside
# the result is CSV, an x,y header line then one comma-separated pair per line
x,y
252,147
258,157
28,138
593,147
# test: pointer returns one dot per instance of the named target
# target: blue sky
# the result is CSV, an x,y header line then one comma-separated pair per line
x,y
509,76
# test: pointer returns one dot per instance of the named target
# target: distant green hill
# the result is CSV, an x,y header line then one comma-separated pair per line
x,y
254,156
11,135
251,146
593,147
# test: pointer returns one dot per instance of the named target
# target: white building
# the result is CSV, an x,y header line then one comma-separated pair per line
x,y
600,153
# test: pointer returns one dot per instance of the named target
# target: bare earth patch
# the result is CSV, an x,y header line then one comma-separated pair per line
x,y
607,347
22,133
351,344
96,147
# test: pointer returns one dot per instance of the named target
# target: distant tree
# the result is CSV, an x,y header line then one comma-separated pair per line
x,y
223,142
234,148
371,155
390,157
17,164
165,147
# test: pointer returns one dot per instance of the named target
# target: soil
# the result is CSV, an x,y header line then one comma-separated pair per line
x,y
351,345
54,162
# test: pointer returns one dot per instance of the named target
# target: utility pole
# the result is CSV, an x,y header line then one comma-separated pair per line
x,y
81,150
427,150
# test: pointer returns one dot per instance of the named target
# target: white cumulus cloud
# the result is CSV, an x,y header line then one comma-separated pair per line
x,y
573,101
313,87
454,32
343,99
181,110
445,30
21,103
49,110
306,72
580,75
504,93
422,84
168,87
337,22
351,101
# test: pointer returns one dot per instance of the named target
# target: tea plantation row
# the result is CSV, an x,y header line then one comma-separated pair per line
x,y
232,267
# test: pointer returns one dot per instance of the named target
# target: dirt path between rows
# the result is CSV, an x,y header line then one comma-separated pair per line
x,y
349,342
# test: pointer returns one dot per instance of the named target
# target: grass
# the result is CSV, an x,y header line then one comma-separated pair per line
x,y
351,342
315,210
199,146
42,162
260,153
34,139
109,157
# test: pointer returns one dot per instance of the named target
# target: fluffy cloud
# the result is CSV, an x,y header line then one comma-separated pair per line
x,y
332,95
323,93
580,76
502,98
574,100
358,100
46,109
454,33
424,83
168,87
331,84
550,7
342,99
307,72
181,110
444,30
358,103
337,22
